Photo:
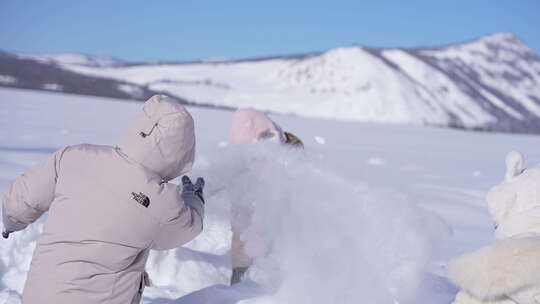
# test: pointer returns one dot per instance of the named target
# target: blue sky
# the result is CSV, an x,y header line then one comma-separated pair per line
x,y
187,30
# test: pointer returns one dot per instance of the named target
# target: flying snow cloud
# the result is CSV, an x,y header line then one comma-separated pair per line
x,y
316,237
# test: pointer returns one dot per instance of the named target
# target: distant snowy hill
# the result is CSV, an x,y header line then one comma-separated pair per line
x,y
25,73
492,84
75,59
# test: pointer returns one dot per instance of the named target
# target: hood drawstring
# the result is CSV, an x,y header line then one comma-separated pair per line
x,y
143,135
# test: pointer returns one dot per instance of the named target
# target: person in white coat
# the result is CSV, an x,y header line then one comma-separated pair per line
x,y
508,270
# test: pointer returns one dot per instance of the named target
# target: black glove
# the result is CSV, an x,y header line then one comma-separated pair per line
x,y
5,234
197,188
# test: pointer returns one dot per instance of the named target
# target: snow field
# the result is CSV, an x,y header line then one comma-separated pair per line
x,y
340,229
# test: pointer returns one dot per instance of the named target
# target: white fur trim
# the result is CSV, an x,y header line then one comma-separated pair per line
x,y
502,268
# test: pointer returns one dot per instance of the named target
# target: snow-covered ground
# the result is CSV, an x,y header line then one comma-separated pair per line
x,y
368,213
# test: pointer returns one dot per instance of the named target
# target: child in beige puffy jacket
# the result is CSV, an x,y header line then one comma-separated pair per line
x,y
107,208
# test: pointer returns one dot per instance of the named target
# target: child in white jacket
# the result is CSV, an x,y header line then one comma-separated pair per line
x,y
508,270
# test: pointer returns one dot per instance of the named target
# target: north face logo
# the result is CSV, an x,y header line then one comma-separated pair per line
x,y
141,199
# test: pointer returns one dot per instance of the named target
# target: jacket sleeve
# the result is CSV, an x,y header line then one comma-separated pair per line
x,y
31,194
185,226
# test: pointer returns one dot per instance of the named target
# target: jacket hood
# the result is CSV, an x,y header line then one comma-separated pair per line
x,y
161,138
250,126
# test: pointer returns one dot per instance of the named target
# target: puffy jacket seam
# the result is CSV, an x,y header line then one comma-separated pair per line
x,y
126,157
58,163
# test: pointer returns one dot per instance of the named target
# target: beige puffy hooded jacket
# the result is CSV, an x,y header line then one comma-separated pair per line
x,y
108,206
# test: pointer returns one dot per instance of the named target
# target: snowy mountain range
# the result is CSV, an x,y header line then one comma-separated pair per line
x,y
492,83
44,74
76,59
